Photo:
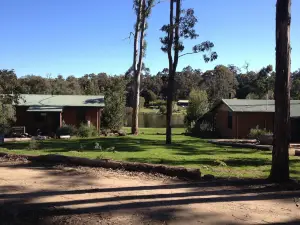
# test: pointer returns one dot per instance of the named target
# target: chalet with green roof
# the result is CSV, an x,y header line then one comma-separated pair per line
x,y
49,112
234,118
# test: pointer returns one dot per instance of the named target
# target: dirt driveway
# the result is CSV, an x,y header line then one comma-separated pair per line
x,y
32,194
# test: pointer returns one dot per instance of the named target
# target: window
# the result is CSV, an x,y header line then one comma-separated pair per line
x,y
229,120
80,115
40,117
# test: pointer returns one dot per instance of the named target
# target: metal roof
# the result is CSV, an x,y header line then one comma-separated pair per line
x,y
62,100
247,105
183,101
44,109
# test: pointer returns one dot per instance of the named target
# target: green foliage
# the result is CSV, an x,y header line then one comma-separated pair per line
x,y
265,81
186,80
114,112
175,107
252,96
158,103
220,163
198,106
9,93
142,102
35,84
9,87
295,87
219,83
87,131
163,109
149,96
255,133
222,82
34,145
256,84
7,118
67,130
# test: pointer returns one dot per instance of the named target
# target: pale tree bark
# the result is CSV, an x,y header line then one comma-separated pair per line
x,y
280,159
171,77
173,62
136,71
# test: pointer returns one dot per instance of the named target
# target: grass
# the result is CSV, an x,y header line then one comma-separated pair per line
x,y
149,147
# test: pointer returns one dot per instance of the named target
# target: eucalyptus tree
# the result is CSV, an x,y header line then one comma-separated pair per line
x,y
280,159
181,26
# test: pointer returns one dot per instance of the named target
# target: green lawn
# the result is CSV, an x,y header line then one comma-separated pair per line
x,y
149,147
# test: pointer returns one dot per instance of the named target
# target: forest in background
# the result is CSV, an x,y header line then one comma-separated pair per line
x,y
221,82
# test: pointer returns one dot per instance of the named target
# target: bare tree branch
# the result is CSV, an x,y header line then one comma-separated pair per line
x,y
189,53
129,37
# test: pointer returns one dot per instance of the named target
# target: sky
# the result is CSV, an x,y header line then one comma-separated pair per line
x,y
70,37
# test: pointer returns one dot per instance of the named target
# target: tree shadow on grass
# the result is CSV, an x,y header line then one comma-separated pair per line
x,y
130,144
125,144
234,162
199,146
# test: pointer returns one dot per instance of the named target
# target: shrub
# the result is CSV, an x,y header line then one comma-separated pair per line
x,y
163,109
198,106
87,131
142,102
7,118
255,133
175,107
158,103
252,96
149,96
34,145
113,116
67,130
203,129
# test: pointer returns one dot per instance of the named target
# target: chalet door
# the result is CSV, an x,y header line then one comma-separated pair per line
x,y
295,130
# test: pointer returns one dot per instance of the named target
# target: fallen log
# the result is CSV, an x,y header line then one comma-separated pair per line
x,y
172,171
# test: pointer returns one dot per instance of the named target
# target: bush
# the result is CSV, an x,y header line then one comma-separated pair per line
x,y
87,131
34,145
67,130
113,116
142,102
175,107
198,106
163,109
7,118
255,133
149,96
158,103
252,96
203,129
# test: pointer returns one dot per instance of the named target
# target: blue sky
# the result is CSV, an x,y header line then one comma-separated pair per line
x,y
77,37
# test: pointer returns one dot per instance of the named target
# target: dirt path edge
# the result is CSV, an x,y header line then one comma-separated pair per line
x,y
172,171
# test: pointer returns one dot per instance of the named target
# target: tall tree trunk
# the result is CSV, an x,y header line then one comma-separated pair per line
x,y
137,74
134,125
280,159
171,77
174,35
169,108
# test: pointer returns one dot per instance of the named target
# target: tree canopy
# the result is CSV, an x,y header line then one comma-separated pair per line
x,y
221,82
